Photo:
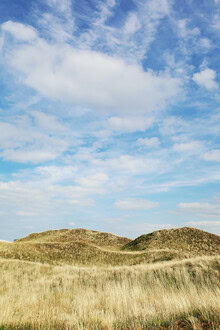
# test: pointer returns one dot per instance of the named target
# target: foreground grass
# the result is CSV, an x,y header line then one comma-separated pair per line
x,y
172,294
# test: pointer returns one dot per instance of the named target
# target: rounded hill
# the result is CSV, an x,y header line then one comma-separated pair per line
x,y
92,237
187,240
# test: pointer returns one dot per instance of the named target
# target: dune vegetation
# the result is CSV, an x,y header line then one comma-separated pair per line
x,y
106,286
186,240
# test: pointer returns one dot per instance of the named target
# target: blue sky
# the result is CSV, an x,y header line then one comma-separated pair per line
x,y
109,115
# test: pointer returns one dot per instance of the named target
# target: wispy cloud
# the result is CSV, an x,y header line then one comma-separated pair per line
x,y
58,24
201,209
191,147
136,34
212,155
203,223
153,142
35,138
136,204
129,124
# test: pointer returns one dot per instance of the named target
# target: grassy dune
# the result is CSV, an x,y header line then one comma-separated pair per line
x,y
186,240
82,279
81,254
107,240
82,247
173,295
86,247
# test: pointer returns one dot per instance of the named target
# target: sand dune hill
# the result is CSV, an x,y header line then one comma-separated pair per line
x,y
82,279
87,247
80,235
80,253
187,240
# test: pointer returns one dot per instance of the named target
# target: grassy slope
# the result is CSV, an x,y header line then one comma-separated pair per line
x,y
186,240
86,247
97,238
79,253
131,289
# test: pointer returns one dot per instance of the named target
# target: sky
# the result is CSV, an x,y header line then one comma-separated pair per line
x,y
109,115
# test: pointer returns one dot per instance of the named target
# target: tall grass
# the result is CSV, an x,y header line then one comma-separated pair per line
x,y
172,294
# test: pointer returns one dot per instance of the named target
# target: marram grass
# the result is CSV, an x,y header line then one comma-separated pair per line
x,y
166,295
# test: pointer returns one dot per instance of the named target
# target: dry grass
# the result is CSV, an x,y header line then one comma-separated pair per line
x,y
86,247
173,294
186,240
107,240
81,254
44,283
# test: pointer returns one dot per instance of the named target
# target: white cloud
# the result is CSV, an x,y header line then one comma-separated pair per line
x,y
135,229
137,33
58,23
47,122
210,226
82,202
37,126
33,156
173,125
20,31
55,29
132,24
203,223
184,31
63,6
216,23
2,40
130,164
25,198
194,181
206,78
51,174
40,193
201,209
191,41
105,11
92,79
192,146
212,155
129,124
205,44
136,204
94,181
33,138
153,142
27,214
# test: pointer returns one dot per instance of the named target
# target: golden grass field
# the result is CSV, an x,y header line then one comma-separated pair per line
x,y
183,293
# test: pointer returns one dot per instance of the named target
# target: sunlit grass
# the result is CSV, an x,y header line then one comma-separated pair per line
x,y
177,293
